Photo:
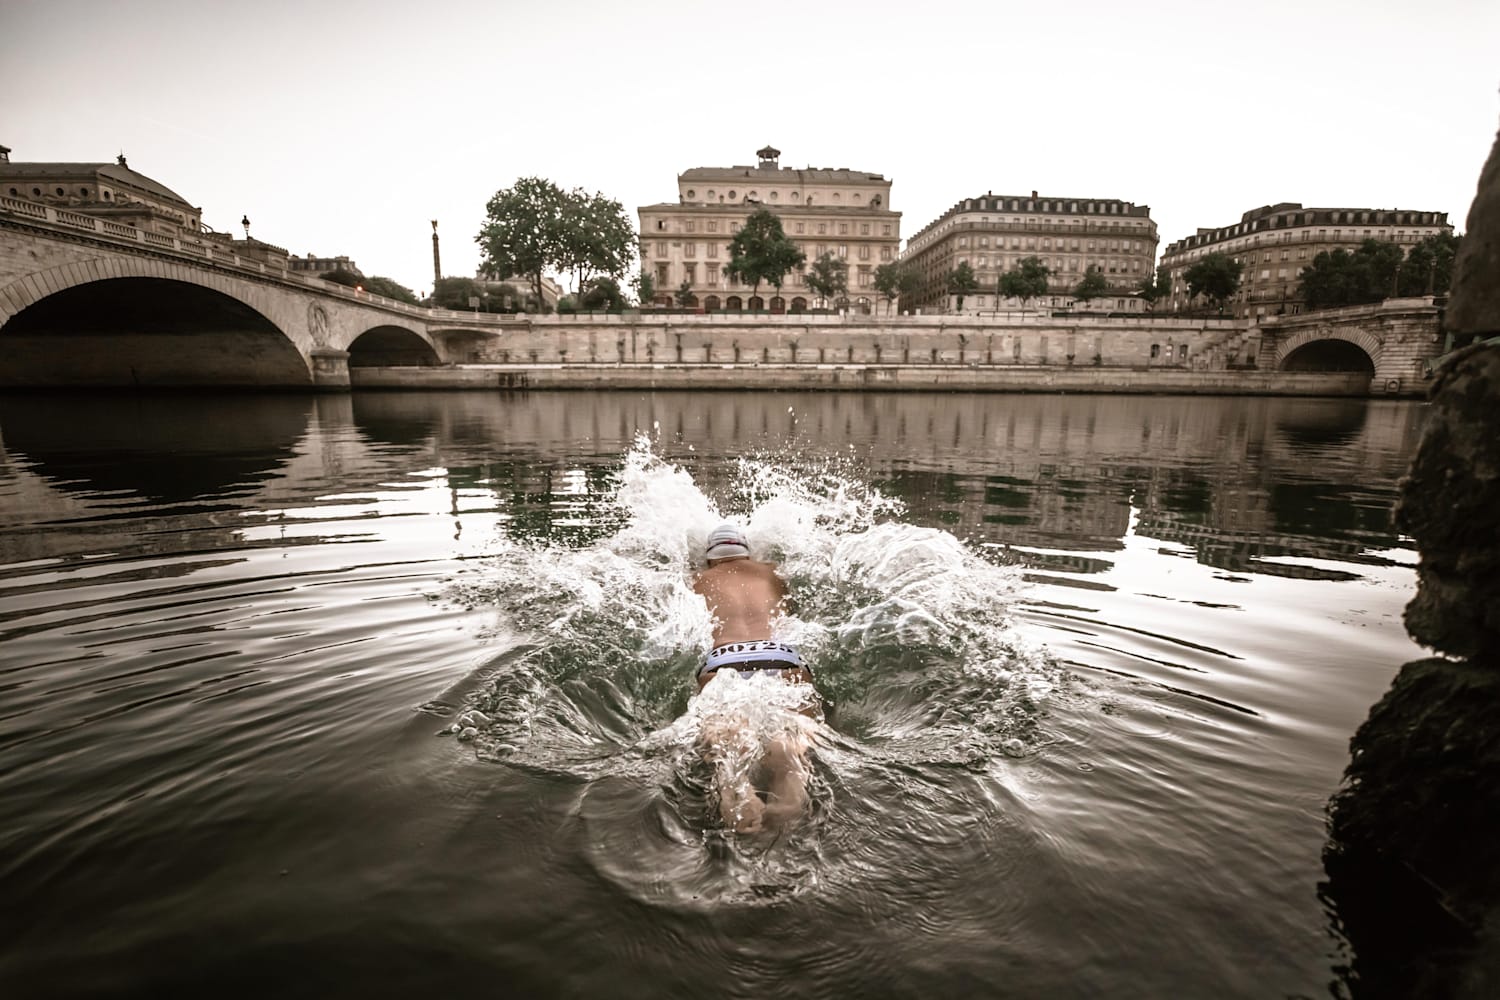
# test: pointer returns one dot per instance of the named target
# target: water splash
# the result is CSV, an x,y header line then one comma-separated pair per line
x,y
907,629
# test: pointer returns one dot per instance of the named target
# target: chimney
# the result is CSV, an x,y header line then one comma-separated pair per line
x,y
4,154
1033,196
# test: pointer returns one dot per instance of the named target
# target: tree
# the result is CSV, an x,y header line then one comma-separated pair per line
x,y
1340,278
645,286
340,276
1215,276
1091,287
1155,288
828,277
595,237
961,282
684,293
390,289
602,293
895,280
1026,280
523,231
455,293
760,251
1428,268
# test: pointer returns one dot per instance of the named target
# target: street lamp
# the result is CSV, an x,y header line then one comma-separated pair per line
x,y
245,221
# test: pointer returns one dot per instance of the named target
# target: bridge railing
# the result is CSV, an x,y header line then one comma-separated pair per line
x,y
203,250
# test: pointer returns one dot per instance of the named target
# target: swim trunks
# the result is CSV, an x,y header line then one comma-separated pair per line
x,y
749,657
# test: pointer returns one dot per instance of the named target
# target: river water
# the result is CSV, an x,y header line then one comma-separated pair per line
x,y
389,693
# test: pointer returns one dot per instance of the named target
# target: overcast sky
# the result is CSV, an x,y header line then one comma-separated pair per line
x,y
343,128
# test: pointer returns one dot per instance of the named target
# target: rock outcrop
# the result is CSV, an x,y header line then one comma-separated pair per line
x,y
1413,859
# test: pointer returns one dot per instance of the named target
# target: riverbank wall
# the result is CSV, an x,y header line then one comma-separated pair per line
x,y
847,377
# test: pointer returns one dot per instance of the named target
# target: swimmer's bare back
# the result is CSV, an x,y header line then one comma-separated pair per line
x,y
743,595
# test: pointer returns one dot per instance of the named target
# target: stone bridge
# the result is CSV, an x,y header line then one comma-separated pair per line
x,y
87,301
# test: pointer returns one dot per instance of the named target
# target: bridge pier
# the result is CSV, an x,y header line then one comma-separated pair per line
x,y
330,369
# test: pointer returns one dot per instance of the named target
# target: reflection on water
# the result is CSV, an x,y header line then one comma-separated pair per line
x,y
1095,662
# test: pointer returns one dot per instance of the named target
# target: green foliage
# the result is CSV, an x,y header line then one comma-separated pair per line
x,y
760,251
339,276
645,286
523,231
684,293
828,277
1154,288
602,293
596,237
1216,277
961,282
1339,278
1092,286
896,279
1428,268
390,289
1026,280
454,293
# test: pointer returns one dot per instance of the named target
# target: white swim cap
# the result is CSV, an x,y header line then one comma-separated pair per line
x,y
727,541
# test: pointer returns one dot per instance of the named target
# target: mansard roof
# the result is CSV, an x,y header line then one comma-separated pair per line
x,y
811,175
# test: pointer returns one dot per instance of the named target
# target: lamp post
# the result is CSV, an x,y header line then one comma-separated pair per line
x,y
245,221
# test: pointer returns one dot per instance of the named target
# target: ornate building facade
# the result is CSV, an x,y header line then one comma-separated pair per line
x,y
1071,236
111,190
843,212
1275,242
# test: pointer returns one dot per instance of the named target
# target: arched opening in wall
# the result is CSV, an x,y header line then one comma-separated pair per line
x,y
390,347
756,302
1329,356
146,332
733,303
799,304
691,302
778,304
711,303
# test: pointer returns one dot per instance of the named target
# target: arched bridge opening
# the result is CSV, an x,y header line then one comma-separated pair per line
x,y
1329,355
391,346
146,332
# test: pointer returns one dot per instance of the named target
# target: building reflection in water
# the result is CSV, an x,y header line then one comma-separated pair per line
x,y
1235,481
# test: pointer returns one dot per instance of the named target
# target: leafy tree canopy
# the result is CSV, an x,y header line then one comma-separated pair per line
x,y
522,234
1216,276
1092,286
644,285
684,293
896,279
390,289
454,293
340,276
1428,268
828,277
596,237
1026,280
1340,278
961,281
760,251
1155,288
602,293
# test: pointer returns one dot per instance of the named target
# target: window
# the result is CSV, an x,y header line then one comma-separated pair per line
x,y
864,229
963,241
1181,352
689,226
843,250
690,249
661,248
661,225
713,225
801,227
885,230
691,193
713,249
885,253
864,253
1156,350
843,229
822,229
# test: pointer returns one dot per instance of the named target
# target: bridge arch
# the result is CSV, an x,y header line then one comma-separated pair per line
x,y
1329,349
391,346
140,322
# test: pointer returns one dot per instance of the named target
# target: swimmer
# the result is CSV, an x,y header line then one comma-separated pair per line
x,y
744,595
